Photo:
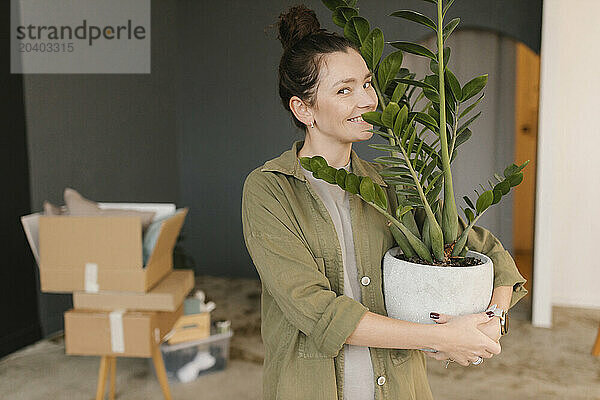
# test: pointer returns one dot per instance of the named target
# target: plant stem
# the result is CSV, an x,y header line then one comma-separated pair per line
x,y
462,240
416,243
454,131
449,212
434,228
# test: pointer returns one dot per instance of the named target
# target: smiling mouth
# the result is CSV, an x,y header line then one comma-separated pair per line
x,y
357,120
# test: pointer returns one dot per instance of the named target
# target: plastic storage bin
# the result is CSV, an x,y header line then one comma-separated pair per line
x,y
185,362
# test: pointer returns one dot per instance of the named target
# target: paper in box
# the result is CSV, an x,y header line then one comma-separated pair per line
x,y
167,295
98,253
116,333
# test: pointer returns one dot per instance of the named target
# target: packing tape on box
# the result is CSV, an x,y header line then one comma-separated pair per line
x,y
91,278
117,338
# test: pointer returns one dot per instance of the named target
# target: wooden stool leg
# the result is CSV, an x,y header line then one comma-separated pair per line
x,y
113,376
161,373
596,348
102,372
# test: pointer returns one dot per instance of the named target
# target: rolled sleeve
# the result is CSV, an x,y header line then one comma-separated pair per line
x,y
506,272
289,271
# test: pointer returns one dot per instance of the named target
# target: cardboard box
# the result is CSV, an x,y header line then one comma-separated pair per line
x,y
117,333
190,327
100,252
167,295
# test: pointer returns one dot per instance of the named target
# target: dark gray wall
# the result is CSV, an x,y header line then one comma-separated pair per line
x,y
231,118
109,136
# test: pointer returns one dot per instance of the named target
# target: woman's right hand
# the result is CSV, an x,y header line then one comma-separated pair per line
x,y
460,339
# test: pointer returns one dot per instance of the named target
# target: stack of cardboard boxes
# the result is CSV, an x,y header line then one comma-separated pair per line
x,y
121,306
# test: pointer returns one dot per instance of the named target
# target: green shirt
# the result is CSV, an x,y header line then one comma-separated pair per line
x,y
305,318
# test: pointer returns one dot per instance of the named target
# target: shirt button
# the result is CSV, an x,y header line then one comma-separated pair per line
x,y
381,380
365,280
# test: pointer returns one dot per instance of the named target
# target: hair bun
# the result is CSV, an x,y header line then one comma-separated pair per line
x,y
297,23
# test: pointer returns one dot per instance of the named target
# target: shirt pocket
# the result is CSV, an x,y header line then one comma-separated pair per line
x,y
400,356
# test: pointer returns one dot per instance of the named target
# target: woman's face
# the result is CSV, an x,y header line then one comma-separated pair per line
x,y
344,92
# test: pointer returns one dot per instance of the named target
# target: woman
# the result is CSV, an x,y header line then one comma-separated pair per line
x,y
318,249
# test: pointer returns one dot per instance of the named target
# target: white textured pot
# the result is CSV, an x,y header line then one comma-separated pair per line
x,y
412,290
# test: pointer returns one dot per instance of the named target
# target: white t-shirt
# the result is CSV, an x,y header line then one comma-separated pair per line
x,y
358,369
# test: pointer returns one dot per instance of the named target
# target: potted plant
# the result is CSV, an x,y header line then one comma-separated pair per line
x,y
431,269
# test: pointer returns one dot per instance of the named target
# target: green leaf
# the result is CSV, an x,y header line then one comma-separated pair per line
x,y
372,48
367,189
433,181
390,160
419,84
503,187
395,172
384,135
400,181
473,87
469,215
449,28
434,114
411,143
415,17
317,162
472,106
357,30
466,124
352,183
462,137
468,201
426,119
433,195
351,3
333,4
305,162
432,96
380,197
401,211
513,169
372,117
484,201
389,114
446,7
341,15
399,92
497,196
384,147
340,177
388,69
400,121
414,48
433,64
427,171
328,174
515,179
454,84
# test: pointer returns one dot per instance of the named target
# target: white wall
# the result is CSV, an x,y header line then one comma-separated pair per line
x,y
567,267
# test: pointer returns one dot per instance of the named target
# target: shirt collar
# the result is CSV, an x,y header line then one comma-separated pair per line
x,y
287,163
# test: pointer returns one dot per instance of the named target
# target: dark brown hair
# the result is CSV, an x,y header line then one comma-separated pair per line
x,y
304,45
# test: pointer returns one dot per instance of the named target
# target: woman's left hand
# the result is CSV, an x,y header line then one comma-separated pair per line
x,y
490,328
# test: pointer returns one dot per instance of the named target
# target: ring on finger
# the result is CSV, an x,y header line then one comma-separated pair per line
x,y
478,361
448,361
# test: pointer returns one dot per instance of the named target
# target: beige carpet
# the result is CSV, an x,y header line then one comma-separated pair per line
x,y
535,363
